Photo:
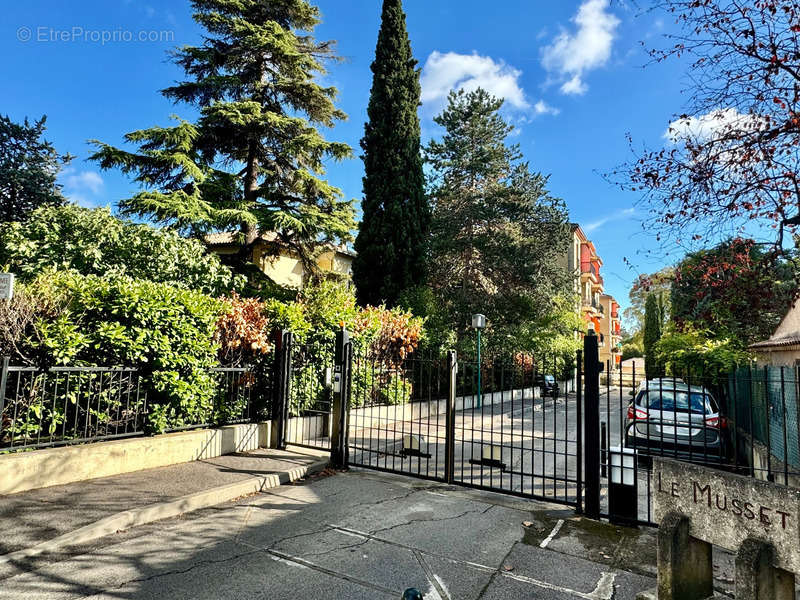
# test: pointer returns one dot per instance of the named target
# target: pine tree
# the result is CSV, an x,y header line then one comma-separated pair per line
x,y
255,158
497,233
29,167
652,333
392,238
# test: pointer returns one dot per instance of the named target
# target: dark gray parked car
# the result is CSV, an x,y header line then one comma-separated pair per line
x,y
670,418
547,384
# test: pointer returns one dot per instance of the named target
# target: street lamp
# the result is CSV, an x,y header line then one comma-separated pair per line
x,y
478,323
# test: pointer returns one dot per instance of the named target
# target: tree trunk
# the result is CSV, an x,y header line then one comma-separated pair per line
x,y
250,230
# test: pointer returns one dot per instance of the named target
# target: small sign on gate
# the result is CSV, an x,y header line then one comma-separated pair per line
x,y
6,286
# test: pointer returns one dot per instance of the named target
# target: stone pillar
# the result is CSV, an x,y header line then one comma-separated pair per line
x,y
757,578
684,563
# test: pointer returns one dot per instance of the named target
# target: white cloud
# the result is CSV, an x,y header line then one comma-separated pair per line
x,y
82,187
571,55
574,86
616,216
451,71
85,180
716,122
542,108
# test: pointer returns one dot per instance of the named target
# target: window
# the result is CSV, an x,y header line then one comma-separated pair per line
x,y
677,401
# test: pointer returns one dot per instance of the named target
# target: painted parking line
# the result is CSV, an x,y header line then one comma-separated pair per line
x,y
604,589
544,543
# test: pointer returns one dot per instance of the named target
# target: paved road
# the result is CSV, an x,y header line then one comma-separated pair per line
x,y
520,444
356,535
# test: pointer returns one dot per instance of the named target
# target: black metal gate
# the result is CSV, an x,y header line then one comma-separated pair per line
x,y
517,430
397,415
563,429
303,394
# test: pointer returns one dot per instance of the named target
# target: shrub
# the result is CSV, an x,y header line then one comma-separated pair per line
x,y
398,390
389,336
372,387
381,337
243,331
166,332
94,242
318,312
17,322
697,353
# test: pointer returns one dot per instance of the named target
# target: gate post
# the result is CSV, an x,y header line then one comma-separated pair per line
x,y
3,383
450,416
579,427
342,365
281,382
591,433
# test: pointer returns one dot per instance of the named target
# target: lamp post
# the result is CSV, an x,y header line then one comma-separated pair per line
x,y
478,323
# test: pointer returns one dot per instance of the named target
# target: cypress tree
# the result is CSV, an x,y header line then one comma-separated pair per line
x,y
391,241
652,333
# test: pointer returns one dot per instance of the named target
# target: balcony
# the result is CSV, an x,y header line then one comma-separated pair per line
x,y
591,271
590,306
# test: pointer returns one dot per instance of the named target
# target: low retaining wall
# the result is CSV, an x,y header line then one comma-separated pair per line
x,y
300,429
23,471
764,462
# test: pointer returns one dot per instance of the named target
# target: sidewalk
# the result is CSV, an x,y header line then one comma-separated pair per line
x,y
50,518
358,535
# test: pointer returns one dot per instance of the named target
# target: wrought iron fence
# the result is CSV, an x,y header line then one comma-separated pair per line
x,y
68,405
398,413
310,394
510,424
763,406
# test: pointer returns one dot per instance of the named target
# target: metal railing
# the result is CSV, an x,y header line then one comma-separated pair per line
x,y
68,405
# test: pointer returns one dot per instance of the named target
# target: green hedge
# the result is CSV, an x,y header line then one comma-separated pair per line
x,y
166,332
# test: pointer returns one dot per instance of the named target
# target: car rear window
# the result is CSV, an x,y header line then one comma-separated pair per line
x,y
678,400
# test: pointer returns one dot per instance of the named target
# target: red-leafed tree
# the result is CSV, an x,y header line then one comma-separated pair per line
x,y
729,290
242,331
730,163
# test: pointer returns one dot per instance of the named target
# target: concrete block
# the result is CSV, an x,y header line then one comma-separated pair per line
x,y
756,578
685,569
725,509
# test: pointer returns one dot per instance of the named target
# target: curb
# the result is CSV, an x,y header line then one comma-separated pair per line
x,y
165,510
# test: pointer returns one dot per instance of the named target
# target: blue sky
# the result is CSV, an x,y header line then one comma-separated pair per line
x,y
571,72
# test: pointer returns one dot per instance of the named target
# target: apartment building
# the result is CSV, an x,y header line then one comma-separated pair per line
x,y
610,331
599,310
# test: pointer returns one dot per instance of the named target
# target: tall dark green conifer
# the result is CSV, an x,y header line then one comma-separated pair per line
x,y
391,242
652,333
29,167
